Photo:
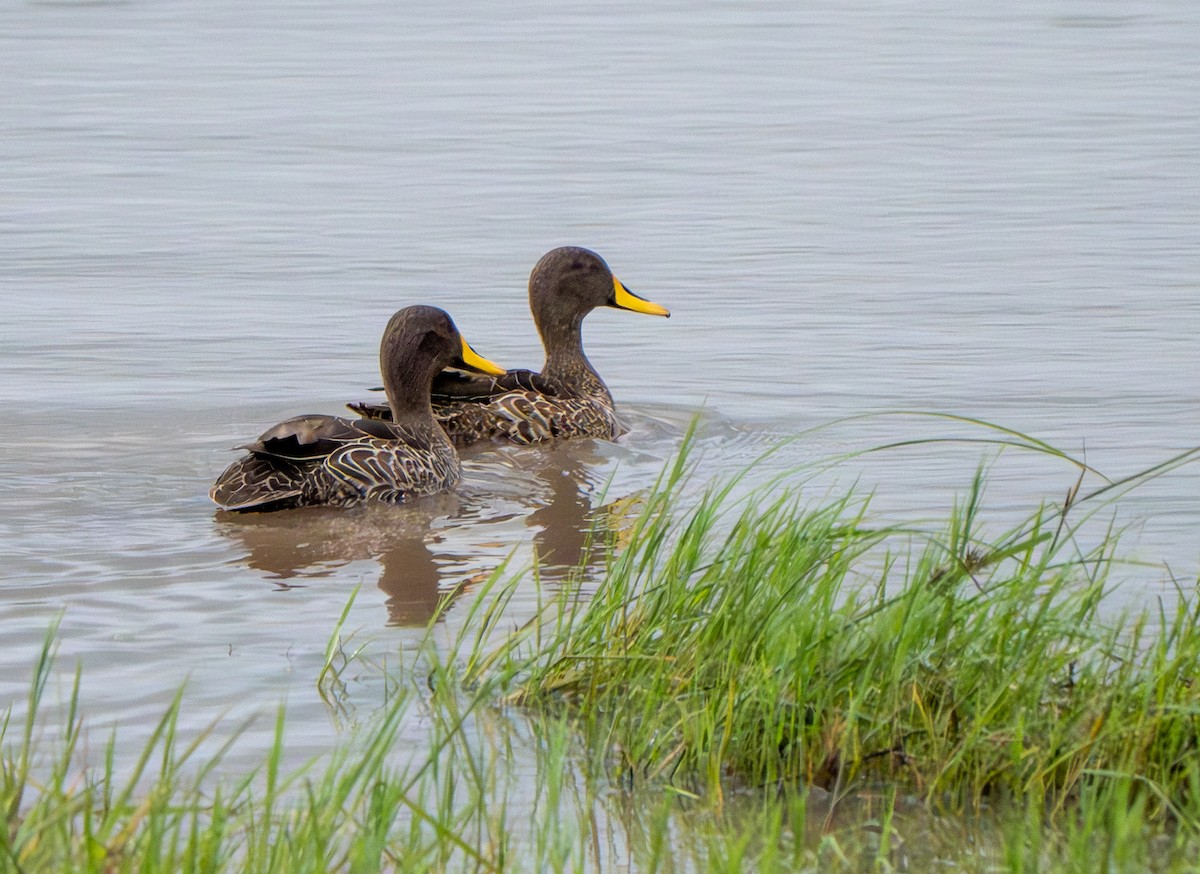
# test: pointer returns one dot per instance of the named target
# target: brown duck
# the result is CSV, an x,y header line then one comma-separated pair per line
x,y
567,398
321,459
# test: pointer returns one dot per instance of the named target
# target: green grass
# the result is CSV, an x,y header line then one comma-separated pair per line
x,y
756,681
766,642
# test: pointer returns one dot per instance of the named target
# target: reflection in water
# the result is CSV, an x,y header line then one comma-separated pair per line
x,y
426,550
563,526
567,479
313,542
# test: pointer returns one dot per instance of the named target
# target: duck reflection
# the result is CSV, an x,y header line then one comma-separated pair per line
x,y
542,494
314,542
569,532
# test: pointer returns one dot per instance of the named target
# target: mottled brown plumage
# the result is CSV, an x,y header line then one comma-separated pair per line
x,y
567,398
318,459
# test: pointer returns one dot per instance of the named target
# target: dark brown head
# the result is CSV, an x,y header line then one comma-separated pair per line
x,y
566,285
418,343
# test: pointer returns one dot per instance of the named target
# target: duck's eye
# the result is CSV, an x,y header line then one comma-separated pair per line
x,y
432,342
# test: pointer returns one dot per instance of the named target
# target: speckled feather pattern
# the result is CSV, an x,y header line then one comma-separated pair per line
x,y
361,466
526,417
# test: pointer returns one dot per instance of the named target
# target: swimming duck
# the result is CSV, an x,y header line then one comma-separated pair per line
x,y
319,459
567,398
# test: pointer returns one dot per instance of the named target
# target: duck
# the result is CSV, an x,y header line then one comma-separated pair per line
x,y
327,460
566,398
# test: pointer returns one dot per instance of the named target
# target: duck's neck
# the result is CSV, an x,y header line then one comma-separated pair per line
x,y
566,363
412,411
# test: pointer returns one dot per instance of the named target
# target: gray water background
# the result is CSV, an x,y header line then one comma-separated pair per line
x,y
209,210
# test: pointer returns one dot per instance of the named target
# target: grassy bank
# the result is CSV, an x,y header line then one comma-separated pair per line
x,y
768,641
756,681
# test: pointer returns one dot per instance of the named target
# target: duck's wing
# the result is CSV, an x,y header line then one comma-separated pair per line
x,y
526,417
313,437
514,416
256,482
279,469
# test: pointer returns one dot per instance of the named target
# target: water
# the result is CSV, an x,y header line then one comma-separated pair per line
x,y
208,211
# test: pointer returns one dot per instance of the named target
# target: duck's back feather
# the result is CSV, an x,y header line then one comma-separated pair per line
x,y
321,459
258,482
531,417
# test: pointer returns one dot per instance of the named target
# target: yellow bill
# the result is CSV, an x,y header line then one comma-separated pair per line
x,y
625,299
472,360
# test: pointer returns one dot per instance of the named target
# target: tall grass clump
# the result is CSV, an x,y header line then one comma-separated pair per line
x,y
765,640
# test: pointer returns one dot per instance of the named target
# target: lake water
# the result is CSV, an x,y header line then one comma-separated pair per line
x,y
208,212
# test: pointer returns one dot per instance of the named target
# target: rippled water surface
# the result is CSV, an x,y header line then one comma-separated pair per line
x,y
208,211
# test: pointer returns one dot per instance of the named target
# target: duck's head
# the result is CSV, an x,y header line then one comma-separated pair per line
x,y
570,282
418,343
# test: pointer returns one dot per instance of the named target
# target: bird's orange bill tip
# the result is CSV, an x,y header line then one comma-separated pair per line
x,y
474,361
625,299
